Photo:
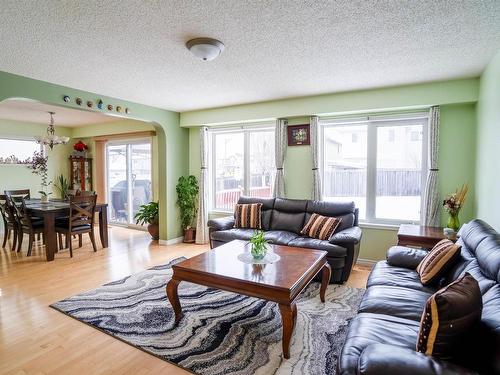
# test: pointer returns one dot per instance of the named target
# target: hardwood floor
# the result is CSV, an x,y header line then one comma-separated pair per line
x,y
35,339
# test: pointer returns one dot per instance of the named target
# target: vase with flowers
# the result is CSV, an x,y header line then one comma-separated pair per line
x,y
259,245
453,203
39,166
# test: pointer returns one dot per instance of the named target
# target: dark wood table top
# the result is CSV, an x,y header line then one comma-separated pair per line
x,y
222,262
51,206
412,230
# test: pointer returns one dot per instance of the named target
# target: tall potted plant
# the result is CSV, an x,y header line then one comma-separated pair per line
x,y
39,166
187,193
62,184
148,214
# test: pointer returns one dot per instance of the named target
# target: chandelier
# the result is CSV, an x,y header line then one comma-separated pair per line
x,y
51,139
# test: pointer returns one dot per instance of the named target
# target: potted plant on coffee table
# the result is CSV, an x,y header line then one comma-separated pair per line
x,y
148,214
187,193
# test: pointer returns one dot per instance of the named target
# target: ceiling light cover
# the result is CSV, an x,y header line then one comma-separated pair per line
x,y
205,49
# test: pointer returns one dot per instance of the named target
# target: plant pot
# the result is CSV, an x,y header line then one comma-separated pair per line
x,y
44,199
189,235
154,231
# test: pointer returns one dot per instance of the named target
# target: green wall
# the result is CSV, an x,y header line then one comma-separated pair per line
x,y
488,151
457,140
172,139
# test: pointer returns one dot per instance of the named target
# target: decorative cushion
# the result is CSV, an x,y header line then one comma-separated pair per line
x,y
320,227
438,261
450,315
248,216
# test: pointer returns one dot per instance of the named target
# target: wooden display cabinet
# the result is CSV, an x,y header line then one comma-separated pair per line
x,y
80,173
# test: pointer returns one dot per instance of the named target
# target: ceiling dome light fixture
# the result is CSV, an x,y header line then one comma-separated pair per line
x,y
206,49
51,139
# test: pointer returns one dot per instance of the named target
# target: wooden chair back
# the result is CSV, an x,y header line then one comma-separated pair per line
x,y
7,211
82,210
21,214
25,193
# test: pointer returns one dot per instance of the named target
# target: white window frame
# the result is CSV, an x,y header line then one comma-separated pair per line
x,y
372,124
237,129
41,148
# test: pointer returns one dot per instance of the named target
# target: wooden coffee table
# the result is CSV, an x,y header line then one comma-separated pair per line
x,y
280,282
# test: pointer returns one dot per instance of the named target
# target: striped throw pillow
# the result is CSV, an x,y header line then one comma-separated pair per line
x,y
438,261
248,216
449,315
321,227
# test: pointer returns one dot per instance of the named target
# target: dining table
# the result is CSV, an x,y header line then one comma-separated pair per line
x,y
54,209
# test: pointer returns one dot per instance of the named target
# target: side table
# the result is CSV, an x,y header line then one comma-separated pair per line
x,y
419,235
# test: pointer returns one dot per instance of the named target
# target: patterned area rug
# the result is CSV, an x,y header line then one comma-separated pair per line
x,y
221,332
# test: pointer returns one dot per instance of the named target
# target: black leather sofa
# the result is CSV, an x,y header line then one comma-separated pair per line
x,y
381,339
282,221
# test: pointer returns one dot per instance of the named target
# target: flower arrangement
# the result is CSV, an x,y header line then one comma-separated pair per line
x,y
259,245
453,203
38,166
80,146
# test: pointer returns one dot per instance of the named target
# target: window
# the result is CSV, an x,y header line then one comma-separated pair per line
x,y
383,172
242,163
16,151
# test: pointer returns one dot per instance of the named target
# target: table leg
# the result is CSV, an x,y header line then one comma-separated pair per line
x,y
49,234
173,298
103,226
288,318
325,280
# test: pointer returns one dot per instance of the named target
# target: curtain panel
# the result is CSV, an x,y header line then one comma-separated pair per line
x,y
313,133
202,236
431,202
279,156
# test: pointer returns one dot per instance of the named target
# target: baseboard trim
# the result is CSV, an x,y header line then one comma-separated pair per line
x,y
366,262
172,241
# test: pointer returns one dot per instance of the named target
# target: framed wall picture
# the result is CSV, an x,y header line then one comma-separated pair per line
x,y
299,135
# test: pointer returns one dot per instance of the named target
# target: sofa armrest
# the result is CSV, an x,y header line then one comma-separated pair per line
x,y
406,257
222,223
382,359
349,235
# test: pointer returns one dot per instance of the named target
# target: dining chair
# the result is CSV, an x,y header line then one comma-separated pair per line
x,y
26,224
9,221
80,221
25,193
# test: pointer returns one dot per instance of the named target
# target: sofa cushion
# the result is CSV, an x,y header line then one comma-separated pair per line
x,y
438,261
395,301
279,237
406,257
366,329
233,234
449,315
314,243
288,215
267,208
248,215
384,274
341,210
320,227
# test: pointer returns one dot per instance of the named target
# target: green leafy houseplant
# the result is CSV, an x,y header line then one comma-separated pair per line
x,y
62,185
149,214
187,192
39,166
259,245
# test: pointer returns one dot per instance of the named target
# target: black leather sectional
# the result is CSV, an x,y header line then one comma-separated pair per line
x,y
282,221
381,339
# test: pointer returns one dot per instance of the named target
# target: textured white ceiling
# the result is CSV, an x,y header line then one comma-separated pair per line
x,y
135,50
30,111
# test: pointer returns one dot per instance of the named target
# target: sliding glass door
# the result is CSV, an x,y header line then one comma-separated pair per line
x,y
129,177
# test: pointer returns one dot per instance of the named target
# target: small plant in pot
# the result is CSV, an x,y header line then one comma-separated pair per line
x,y
148,214
259,245
187,192
62,184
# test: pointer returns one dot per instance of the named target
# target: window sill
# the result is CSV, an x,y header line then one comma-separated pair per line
x,y
392,227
